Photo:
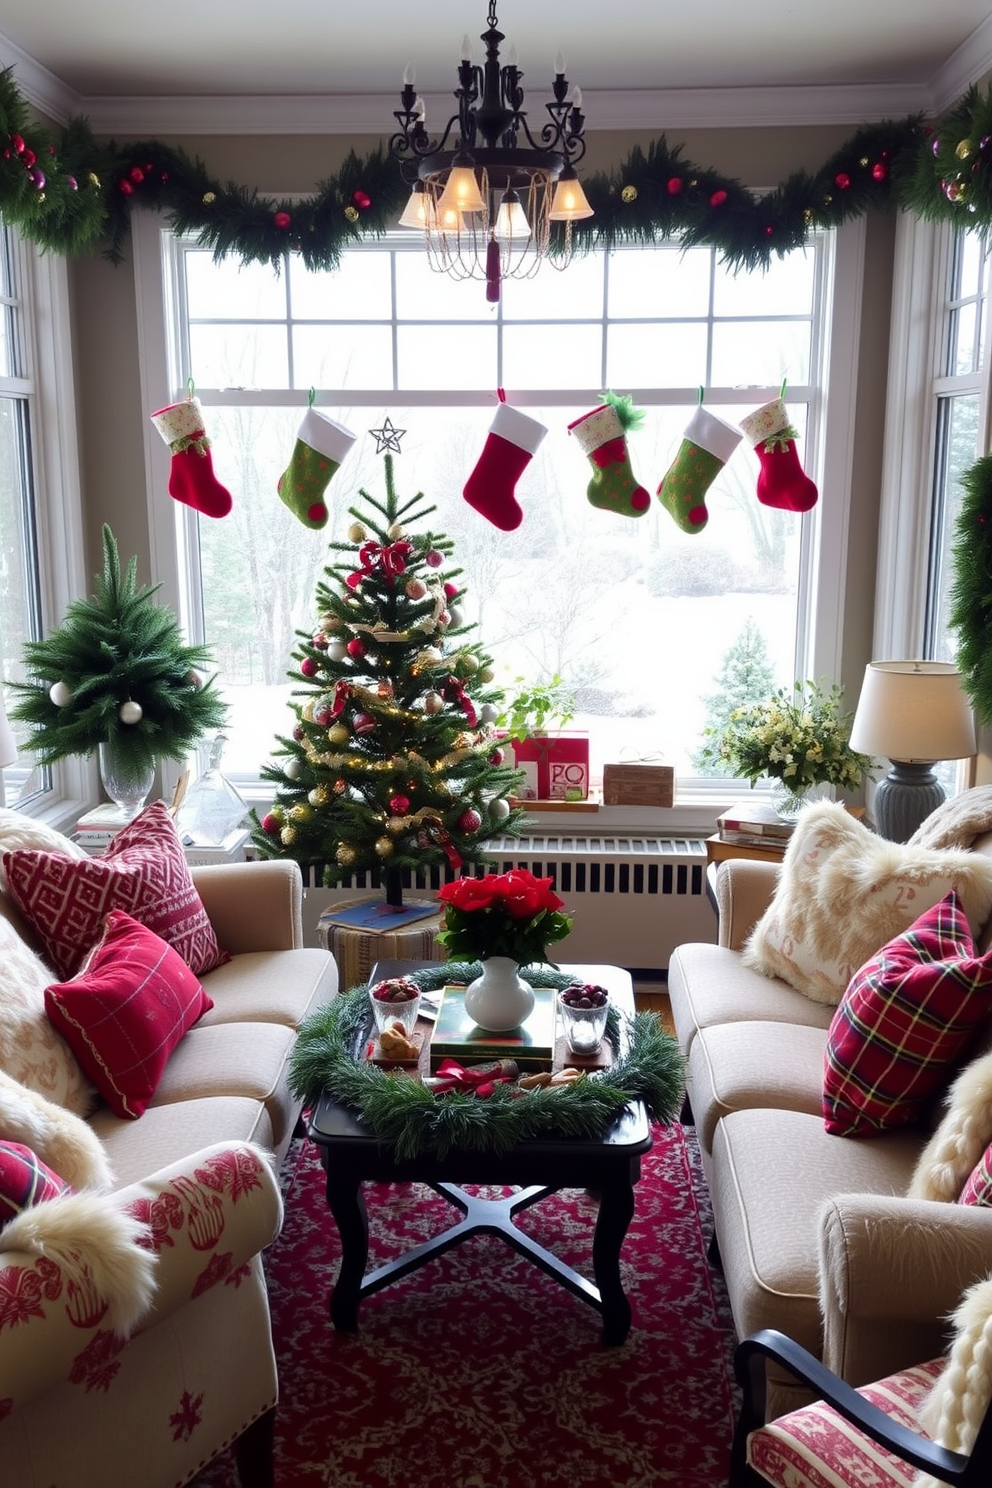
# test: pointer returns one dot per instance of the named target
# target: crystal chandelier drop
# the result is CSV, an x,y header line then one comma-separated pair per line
x,y
487,194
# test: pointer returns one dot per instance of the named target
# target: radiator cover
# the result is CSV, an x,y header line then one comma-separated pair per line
x,y
632,899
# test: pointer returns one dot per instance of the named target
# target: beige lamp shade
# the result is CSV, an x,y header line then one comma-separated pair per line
x,y
8,749
914,711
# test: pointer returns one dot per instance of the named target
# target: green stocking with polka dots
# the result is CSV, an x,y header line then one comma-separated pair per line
x,y
706,447
321,445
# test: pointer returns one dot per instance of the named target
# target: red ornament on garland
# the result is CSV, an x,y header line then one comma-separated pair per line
x,y
675,185
125,188
281,220
18,144
136,174
718,198
880,171
361,199
356,649
842,180
28,158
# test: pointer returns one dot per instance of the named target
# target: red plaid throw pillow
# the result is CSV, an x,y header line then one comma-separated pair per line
x,y
143,872
25,1180
126,1011
903,1023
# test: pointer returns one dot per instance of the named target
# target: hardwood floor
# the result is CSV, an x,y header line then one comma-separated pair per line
x,y
651,996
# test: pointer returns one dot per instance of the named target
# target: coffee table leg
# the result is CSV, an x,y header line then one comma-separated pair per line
x,y
347,1205
616,1210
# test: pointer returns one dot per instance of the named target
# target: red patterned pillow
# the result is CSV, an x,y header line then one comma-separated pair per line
x,y
904,1022
978,1189
25,1180
126,1010
143,872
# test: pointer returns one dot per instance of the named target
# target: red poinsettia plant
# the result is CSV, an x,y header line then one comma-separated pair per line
x,y
504,914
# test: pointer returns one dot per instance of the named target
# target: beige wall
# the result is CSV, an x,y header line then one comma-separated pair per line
x,y
112,419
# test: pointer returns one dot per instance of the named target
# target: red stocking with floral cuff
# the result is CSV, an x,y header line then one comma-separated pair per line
x,y
191,478
513,440
782,482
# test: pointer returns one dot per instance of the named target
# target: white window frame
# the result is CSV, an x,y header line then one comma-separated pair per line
x,y
828,458
49,386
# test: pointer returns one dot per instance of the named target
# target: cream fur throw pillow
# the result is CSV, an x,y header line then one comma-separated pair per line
x,y
18,830
947,1160
955,1407
843,893
31,1051
63,1141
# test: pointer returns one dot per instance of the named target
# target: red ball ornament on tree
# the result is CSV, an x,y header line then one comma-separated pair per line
x,y
136,174
718,198
450,590
842,181
125,188
399,805
470,820
18,143
356,649
308,667
281,220
299,733
675,185
28,158
880,171
271,824
497,757
434,559
363,723
361,199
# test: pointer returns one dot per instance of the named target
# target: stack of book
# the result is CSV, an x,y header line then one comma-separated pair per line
x,y
755,824
456,1035
96,828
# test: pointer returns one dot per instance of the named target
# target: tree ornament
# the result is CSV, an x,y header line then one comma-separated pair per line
x,y
60,694
346,854
486,675
357,533
384,846
395,532
384,688
429,657
299,733
281,220
879,171
300,813
361,199
433,559
496,757
628,194
963,149
351,213
319,640
415,589
193,679
674,185
130,712
499,808
363,723
433,702
488,713
470,820
842,181
293,768
271,823
718,198
456,617
336,650
468,663
399,805
339,787
354,580
309,667
338,734
329,621
209,198
288,836
395,825
320,795
356,648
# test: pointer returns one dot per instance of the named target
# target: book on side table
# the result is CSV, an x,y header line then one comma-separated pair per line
x,y
754,821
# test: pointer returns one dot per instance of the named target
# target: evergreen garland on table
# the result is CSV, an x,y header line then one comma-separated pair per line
x,y
116,653
69,192
403,1112
970,611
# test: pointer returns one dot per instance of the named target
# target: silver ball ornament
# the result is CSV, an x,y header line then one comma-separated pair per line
x,y
130,712
433,702
499,808
457,616
488,714
60,694
293,768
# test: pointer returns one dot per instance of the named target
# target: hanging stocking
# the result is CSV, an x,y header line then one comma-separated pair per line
x,y
513,439
782,482
707,445
602,436
321,445
191,477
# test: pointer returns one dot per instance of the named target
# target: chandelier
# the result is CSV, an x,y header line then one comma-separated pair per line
x,y
487,193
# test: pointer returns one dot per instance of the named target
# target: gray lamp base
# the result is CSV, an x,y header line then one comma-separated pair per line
x,y
905,798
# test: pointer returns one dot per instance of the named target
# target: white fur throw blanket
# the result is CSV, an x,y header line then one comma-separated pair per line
x,y
957,822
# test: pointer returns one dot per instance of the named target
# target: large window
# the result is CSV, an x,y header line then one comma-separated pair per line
x,y
643,621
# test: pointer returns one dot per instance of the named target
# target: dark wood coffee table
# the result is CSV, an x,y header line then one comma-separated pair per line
x,y
608,1166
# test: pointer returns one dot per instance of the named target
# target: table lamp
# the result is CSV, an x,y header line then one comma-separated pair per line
x,y
913,713
8,749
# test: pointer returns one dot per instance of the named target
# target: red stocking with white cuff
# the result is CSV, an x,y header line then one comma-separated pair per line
x,y
191,477
513,440
782,482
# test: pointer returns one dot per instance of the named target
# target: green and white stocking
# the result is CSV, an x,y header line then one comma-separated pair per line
x,y
321,445
707,445
602,435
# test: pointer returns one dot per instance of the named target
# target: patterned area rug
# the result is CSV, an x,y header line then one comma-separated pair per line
x,y
478,1371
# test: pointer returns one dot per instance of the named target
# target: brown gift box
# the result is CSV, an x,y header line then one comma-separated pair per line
x,y
638,785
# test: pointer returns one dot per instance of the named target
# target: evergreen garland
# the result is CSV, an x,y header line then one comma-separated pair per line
x,y
970,594
404,1113
113,649
70,193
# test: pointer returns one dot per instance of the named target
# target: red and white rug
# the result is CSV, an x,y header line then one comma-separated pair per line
x,y
478,1371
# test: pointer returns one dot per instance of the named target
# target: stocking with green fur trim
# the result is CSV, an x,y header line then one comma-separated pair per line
x,y
602,436
782,482
707,445
321,445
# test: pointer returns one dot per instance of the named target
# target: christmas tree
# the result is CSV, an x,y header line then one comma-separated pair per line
x,y
746,676
116,672
393,762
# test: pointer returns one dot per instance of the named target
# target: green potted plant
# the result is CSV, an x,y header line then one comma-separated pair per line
x,y
534,718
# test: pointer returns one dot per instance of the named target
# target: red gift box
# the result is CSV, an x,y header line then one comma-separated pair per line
x,y
556,766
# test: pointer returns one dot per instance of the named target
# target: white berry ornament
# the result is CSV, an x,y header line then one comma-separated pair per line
x,y
60,694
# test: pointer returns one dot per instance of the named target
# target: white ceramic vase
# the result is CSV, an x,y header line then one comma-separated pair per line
x,y
499,999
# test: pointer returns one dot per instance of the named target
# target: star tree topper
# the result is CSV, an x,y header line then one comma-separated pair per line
x,y
387,438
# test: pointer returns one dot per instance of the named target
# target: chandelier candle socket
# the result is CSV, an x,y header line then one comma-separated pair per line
x,y
486,208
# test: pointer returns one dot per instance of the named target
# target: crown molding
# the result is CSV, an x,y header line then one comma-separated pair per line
x,y
41,88
971,61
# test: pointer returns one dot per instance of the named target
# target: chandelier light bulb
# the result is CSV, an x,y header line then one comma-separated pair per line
x,y
511,57
419,108
511,219
569,203
576,97
409,75
559,65
461,192
466,55
415,211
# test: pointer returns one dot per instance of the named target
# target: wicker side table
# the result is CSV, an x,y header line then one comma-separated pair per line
x,y
356,950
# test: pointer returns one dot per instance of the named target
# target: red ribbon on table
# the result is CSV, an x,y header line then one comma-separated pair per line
x,y
454,691
450,1075
391,559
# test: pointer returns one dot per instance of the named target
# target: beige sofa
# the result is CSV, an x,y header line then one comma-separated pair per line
x,y
80,1407
814,1232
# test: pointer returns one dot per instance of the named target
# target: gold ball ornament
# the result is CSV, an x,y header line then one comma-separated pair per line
x,y
320,795
395,825
288,836
208,198
329,622
307,710
300,814
384,847
346,855
429,657
94,180
396,532
351,213
628,194
864,162
964,149
468,664
357,533
338,734
487,674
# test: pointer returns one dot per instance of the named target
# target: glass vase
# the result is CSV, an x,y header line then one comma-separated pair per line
x,y
499,999
126,783
789,802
